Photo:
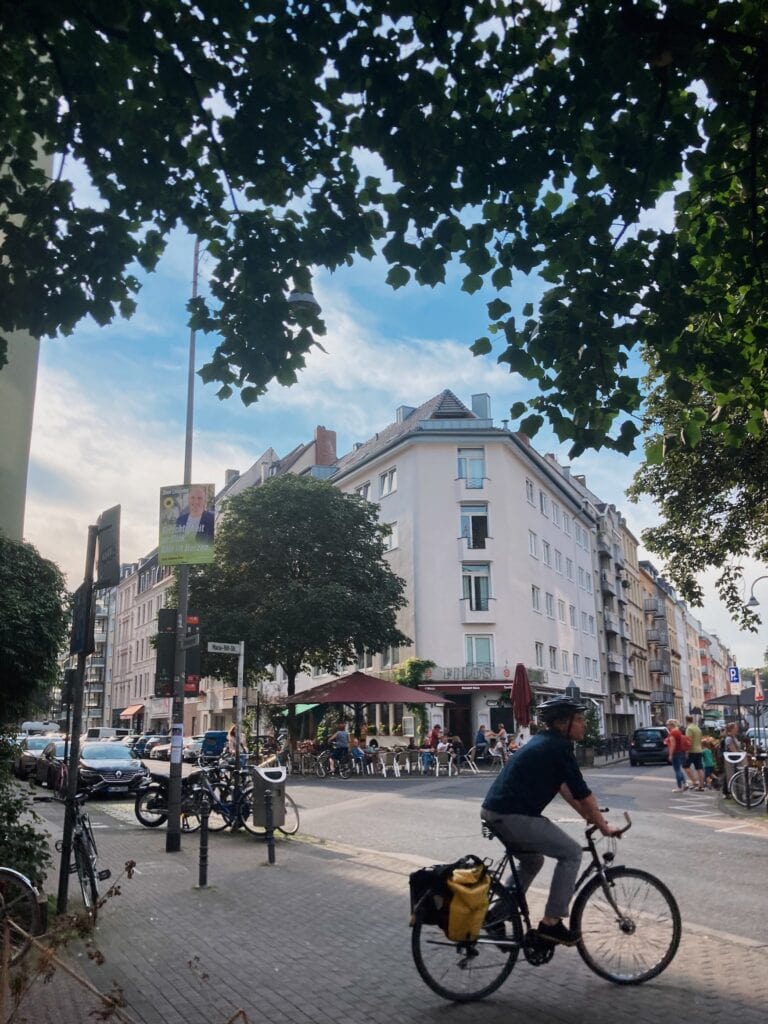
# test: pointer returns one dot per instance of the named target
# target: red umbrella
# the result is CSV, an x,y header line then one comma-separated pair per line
x,y
521,696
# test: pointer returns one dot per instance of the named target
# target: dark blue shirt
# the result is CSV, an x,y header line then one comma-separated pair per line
x,y
533,776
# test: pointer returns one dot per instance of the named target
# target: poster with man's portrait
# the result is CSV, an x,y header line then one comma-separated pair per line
x,y
187,523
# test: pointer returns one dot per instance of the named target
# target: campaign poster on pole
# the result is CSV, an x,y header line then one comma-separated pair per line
x,y
187,523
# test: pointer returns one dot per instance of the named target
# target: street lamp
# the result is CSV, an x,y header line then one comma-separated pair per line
x,y
753,602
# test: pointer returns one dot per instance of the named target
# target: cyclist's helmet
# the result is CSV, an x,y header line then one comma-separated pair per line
x,y
558,708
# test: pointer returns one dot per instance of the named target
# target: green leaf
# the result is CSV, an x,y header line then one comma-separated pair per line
x,y
498,308
481,347
398,276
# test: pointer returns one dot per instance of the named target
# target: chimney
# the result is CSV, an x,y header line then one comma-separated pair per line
x,y
403,412
325,447
524,438
230,475
581,478
481,406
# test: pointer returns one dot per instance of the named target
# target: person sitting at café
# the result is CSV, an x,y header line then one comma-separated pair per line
x,y
429,748
481,744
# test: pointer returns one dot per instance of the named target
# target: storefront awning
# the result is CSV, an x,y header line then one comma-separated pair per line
x,y
129,712
300,709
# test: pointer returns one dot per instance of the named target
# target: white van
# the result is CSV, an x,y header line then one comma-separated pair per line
x,y
103,732
39,728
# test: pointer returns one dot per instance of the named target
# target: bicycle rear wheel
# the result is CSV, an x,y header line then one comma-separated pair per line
x,y
18,905
291,824
151,807
751,795
464,972
87,877
629,932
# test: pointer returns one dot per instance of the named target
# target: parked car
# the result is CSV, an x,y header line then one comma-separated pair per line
x,y
155,741
47,765
129,741
647,745
160,751
140,744
758,737
192,749
30,748
110,768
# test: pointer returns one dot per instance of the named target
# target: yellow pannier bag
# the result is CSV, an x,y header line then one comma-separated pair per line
x,y
469,902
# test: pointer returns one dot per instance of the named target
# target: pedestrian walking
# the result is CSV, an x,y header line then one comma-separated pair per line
x,y
694,764
676,753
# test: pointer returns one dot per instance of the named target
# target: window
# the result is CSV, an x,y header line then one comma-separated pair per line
x,y
553,658
365,660
390,542
577,531
388,482
529,492
577,665
475,581
535,598
572,612
474,525
388,657
544,503
558,561
546,552
595,670
472,466
584,624
565,659
569,568
592,625
589,582
566,524
539,654
478,650
364,490
549,601
581,577
533,544
561,610
555,513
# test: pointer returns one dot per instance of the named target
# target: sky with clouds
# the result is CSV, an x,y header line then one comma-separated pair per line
x,y
110,407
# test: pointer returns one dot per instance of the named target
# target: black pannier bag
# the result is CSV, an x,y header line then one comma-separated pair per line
x,y
452,896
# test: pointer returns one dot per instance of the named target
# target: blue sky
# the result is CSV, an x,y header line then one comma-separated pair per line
x,y
110,408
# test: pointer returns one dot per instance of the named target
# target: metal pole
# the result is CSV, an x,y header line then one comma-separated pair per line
x,y
269,817
77,718
239,718
205,811
173,834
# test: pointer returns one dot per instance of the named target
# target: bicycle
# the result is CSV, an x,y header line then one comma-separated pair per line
x,y
20,916
342,766
226,810
151,803
85,857
628,921
749,784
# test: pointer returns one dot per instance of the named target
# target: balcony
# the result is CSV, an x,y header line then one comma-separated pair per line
x,y
611,623
624,629
629,668
603,544
618,556
652,636
469,550
477,616
651,605
607,583
656,665
615,662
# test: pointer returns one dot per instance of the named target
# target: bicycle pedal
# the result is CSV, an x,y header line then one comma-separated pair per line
x,y
73,869
104,874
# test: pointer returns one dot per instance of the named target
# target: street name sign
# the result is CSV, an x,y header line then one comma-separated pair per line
x,y
214,648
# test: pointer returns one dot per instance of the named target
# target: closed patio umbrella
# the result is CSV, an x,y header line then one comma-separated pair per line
x,y
521,696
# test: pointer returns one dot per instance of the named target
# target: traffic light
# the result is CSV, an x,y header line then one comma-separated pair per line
x,y
166,652
192,671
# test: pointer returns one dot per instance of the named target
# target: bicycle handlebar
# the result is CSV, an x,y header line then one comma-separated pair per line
x,y
619,833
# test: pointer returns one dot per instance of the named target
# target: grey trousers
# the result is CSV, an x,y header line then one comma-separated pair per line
x,y
529,840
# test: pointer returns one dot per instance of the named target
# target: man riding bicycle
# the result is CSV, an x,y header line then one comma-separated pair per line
x,y
513,807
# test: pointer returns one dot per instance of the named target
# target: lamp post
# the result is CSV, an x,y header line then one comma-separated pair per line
x,y
302,303
753,602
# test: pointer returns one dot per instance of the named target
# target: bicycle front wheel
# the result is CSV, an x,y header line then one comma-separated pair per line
x,y
151,807
291,824
629,926
87,878
464,972
18,906
747,787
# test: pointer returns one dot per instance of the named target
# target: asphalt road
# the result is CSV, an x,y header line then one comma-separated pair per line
x,y
713,862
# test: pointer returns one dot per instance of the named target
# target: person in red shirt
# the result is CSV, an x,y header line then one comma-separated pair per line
x,y
676,754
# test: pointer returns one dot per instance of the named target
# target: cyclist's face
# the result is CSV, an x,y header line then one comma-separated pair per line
x,y
577,728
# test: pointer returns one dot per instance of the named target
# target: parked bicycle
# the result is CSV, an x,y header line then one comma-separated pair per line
x,y
85,855
227,809
628,921
20,915
749,783
151,803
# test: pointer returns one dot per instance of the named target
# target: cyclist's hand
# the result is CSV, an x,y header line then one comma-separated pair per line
x,y
610,830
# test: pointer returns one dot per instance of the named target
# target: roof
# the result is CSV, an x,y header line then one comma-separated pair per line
x,y
360,688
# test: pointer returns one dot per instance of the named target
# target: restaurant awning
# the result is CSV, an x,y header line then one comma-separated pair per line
x,y
130,711
359,688
300,709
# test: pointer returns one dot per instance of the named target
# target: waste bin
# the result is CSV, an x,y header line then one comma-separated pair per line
x,y
270,780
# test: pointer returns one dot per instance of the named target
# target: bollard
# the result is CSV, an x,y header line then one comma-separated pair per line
x,y
269,818
205,810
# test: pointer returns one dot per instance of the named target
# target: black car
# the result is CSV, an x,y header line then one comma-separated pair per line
x,y
647,745
49,762
140,744
110,768
152,742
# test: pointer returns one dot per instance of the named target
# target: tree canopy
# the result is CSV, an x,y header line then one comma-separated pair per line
x,y
510,136
713,498
33,627
300,576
